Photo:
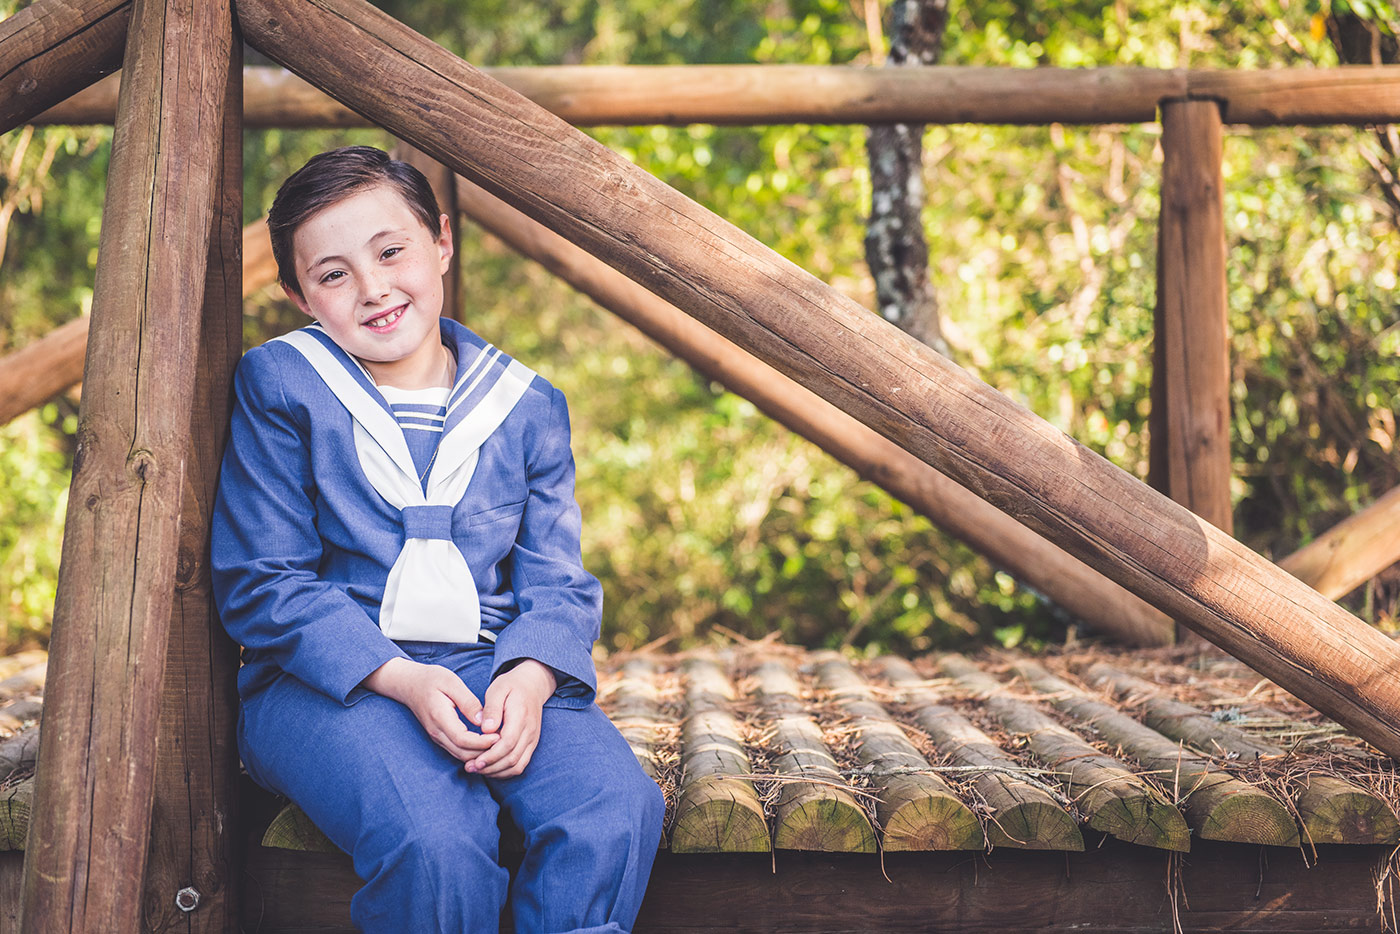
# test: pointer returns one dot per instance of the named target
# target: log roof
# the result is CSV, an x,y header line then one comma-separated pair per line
x,y
764,746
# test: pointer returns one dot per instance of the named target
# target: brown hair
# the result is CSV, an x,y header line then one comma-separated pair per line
x,y
331,176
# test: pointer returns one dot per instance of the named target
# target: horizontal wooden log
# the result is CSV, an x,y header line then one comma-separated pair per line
x,y
1217,805
1023,814
717,806
1113,799
916,810
23,681
814,810
19,753
742,289
1068,582
53,48
1351,552
752,95
16,810
1333,810
16,715
634,706
291,829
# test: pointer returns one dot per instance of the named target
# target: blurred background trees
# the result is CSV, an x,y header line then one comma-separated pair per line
x,y
698,511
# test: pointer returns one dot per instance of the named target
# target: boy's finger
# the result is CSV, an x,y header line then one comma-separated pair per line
x,y
465,700
491,715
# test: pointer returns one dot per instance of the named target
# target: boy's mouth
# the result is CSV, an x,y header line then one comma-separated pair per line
x,y
387,319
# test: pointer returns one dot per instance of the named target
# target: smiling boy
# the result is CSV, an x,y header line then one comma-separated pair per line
x,y
396,548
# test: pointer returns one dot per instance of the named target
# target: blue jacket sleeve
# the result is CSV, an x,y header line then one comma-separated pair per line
x,y
560,603
265,549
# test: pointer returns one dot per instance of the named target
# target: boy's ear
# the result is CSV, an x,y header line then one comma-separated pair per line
x,y
296,298
444,239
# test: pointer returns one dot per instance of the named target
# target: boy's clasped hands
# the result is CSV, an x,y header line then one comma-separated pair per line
x,y
509,718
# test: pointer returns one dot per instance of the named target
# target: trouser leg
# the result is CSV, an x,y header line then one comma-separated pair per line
x,y
421,831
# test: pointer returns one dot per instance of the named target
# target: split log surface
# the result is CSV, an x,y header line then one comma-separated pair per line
x,y
634,707
916,809
710,269
1217,805
750,95
195,818
814,808
717,807
1114,800
1351,552
1023,815
116,585
16,810
1333,809
1069,582
54,48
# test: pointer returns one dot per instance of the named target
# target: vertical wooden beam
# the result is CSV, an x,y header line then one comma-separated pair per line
x,y
87,847
1191,354
192,876
444,183
55,48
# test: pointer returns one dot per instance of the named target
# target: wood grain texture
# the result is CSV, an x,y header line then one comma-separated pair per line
x,y
1332,809
195,816
1217,805
717,807
1112,889
1113,799
748,95
53,48
634,707
16,807
814,808
1069,582
734,284
87,854
1024,815
1351,552
39,371
916,810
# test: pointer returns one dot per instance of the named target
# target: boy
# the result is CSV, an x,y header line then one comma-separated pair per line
x,y
396,548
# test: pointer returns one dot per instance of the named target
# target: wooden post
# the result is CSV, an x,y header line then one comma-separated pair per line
x,y
192,877
741,288
54,48
445,189
1191,353
87,848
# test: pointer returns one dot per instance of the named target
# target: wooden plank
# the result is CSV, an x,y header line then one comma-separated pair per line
x,y
1191,341
1351,552
717,807
195,815
916,810
87,855
742,289
815,809
11,882
1333,810
54,48
1023,814
1112,889
1069,582
776,94
1114,800
1217,805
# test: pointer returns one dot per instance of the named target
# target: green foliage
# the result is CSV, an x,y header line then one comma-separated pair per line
x,y
698,510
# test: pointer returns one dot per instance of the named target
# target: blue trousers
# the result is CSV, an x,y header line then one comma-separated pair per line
x,y
423,833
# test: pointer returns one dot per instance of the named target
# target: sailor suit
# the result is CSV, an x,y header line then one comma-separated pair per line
x,y
342,537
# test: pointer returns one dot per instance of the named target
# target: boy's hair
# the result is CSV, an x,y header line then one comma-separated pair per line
x,y
331,176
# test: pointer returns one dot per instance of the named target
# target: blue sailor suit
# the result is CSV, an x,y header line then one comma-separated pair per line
x,y
334,550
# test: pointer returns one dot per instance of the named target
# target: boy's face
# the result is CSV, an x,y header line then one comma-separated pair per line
x,y
371,274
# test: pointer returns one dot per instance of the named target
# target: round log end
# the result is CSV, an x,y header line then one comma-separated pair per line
x,y
930,822
291,829
1144,821
720,820
15,804
1335,811
1035,825
1249,816
824,824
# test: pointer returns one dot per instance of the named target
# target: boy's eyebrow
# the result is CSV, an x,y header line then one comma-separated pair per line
x,y
330,259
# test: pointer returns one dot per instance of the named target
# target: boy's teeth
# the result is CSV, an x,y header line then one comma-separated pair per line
x,y
385,321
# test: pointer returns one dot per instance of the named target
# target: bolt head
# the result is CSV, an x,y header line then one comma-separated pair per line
x,y
187,899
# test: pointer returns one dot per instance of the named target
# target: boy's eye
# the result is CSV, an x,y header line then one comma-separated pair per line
x,y
393,250
332,276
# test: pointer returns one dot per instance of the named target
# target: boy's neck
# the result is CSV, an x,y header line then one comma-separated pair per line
x,y
433,372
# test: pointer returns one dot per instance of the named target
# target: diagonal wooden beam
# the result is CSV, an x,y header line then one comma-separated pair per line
x,y
55,48
1351,552
88,844
742,289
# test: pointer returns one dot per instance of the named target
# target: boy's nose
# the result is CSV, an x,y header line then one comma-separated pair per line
x,y
374,289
